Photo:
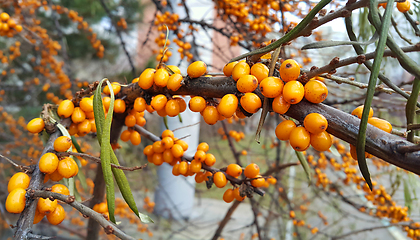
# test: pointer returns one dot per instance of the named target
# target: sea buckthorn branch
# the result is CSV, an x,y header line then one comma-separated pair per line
x,y
412,23
107,225
98,196
25,168
98,160
26,218
397,30
232,147
255,211
226,219
350,81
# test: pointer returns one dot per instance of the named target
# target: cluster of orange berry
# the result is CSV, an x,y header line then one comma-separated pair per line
x,y
8,26
122,23
401,6
55,212
162,21
169,149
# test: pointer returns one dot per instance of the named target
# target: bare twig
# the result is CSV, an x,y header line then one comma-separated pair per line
x,y
225,219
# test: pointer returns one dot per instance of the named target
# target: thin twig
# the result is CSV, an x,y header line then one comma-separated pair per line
x,y
225,219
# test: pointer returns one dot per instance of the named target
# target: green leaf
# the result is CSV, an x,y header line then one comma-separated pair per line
x,y
361,137
325,44
144,218
304,164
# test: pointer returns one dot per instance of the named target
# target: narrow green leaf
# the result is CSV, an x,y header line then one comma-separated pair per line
x,y
144,218
305,165
165,121
410,108
325,44
407,197
290,35
99,111
361,138
180,118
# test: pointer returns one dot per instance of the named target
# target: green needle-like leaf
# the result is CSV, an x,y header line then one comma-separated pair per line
x,y
305,165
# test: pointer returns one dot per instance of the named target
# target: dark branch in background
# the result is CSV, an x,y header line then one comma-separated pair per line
x,y
412,23
25,168
254,208
232,147
107,225
225,220
111,17
26,218
98,160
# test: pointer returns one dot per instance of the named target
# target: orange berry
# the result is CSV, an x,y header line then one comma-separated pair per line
x,y
197,104
158,147
175,170
38,217
234,170
68,167
195,166
4,16
116,87
36,125
280,105
167,156
382,124
203,146
16,201
177,150
228,105
167,133
119,106
228,68
157,159
219,179
86,104
292,214
196,69
183,144
106,101
84,127
55,176
258,182
18,180
172,108
161,77
353,152
183,167
284,129
210,115
271,87
200,155
315,91
260,71
60,188
404,6
289,70
240,69
315,123
135,138
250,102
174,69
130,120
57,216
62,144
174,82
252,170
78,115
247,83
237,195
300,139
167,142
293,92
45,205
65,109
271,180
181,103
146,78
148,150
321,141
359,111
210,159
125,135
48,163
139,104
228,195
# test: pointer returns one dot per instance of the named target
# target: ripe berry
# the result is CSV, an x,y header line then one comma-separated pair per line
x,y
84,127
65,109
116,87
271,87
48,163
161,77
167,156
86,104
210,159
172,108
321,141
289,70
60,188
106,102
315,91
404,6
196,69
203,146
36,125
252,170
167,142
260,71
135,138
167,133
68,167
197,104
181,103
125,135
247,83
237,195
240,69
200,155
18,180
183,144
382,124
293,92
183,167
280,105
315,123
210,115
228,195
234,170
250,102
284,129
219,179
157,159
359,111
174,69
57,216
177,150
228,68
148,150
119,106
45,205
300,139
130,120
146,78
55,176
15,202
175,170
139,104
62,144
258,182
195,166
78,115
228,105
38,217
174,82
158,147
